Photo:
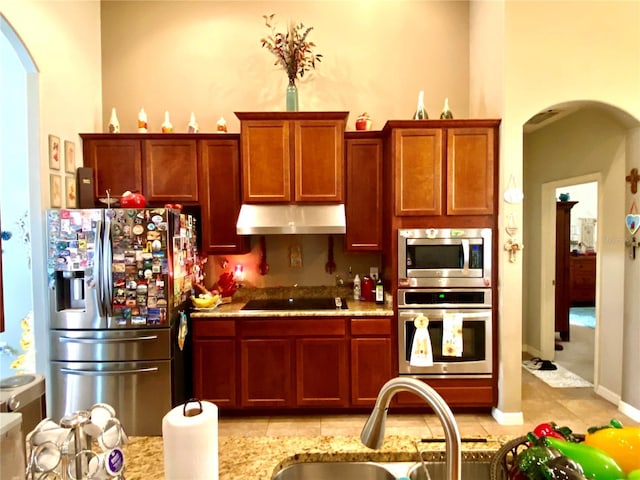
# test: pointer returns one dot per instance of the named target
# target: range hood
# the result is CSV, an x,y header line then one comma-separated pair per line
x,y
290,219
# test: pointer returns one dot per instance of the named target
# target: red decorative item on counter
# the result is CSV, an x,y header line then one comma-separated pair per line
x,y
227,284
132,200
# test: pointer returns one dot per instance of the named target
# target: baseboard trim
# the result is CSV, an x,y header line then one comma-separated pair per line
x,y
507,418
607,394
629,410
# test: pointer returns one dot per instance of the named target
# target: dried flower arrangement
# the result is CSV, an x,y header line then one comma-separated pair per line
x,y
292,50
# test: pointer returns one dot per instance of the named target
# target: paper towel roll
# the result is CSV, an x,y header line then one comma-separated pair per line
x,y
190,441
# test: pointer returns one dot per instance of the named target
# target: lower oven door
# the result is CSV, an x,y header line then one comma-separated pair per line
x,y
476,358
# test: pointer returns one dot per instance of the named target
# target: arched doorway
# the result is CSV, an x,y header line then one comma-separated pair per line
x,y
19,204
587,142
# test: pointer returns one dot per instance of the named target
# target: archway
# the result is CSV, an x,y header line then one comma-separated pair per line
x,y
585,140
20,204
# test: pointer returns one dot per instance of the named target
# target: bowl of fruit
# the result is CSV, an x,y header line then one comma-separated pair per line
x,y
550,452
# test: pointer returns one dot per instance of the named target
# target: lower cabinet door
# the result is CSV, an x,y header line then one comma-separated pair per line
x,y
370,368
214,371
321,372
266,372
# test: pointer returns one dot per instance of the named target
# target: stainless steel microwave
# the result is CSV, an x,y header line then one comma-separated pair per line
x,y
448,257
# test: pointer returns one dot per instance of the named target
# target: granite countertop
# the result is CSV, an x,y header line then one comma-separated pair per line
x,y
260,457
356,308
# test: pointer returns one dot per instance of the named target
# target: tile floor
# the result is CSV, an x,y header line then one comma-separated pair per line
x,y
577,408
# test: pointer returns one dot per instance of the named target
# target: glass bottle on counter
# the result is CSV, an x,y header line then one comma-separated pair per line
x,y
356,287
421,112
379,291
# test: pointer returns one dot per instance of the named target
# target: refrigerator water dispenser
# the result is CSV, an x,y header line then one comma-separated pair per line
x,y
70,292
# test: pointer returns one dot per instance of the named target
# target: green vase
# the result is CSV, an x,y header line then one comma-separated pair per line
x,y
292,96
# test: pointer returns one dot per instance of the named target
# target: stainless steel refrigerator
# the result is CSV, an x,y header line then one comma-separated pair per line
x,y
118,282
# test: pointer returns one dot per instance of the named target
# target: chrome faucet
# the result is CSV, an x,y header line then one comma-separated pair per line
x,y
373,431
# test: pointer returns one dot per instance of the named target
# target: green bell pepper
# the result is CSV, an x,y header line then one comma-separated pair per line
x,y
597,465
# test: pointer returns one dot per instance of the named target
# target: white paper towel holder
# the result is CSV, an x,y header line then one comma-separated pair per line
x,y
192,411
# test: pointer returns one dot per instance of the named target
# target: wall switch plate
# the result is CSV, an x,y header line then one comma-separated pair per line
x,y
373,272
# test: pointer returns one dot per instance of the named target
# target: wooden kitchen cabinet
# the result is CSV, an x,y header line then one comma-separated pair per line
x,y
266,372
164,167
170,170
470,170
214,362
220,196
363,206
322,372
290,157
458,393
417,156
443,162
116,162
371,358
293,362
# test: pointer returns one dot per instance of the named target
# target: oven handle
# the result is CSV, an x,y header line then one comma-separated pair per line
x,y
465,254
71,371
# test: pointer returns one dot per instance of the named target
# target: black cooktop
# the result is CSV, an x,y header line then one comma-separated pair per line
x,y
323,303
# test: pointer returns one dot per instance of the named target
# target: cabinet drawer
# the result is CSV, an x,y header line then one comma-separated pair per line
x,y
370,326
292,327
214,328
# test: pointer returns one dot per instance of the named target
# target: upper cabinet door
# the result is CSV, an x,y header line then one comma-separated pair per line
x,y
318,160
417,156
470,171
364,194
116,164
290,157
220,187
171,170
266,162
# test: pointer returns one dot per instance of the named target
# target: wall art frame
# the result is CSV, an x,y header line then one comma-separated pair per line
x,y
55,190
54,152
69,156
71,197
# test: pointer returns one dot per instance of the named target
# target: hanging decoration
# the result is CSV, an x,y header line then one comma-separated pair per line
x,y
513,247
513,194
632,222
633,178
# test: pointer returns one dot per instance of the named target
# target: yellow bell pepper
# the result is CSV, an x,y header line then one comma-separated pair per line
x,y
621,443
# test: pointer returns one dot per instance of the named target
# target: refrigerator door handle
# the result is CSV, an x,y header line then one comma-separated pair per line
x,y
107,340
107,252
98,271
72,371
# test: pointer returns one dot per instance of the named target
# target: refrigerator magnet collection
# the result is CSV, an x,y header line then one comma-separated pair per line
x,y
117,282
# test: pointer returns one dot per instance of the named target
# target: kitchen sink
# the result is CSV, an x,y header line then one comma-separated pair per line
x,y
471,470
334,471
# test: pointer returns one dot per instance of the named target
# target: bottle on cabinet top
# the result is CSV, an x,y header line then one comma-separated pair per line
x,y
421,112
114,124
167,127
142,121
446,112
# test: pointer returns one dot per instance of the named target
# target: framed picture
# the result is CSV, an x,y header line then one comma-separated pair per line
x,y
70,191
54,152
69,157
55,189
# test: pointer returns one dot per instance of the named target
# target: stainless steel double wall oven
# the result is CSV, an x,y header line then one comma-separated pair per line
x,y
442,272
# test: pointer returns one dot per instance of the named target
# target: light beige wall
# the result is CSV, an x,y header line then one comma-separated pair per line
x,y
558,51
206,57
486,59
631,334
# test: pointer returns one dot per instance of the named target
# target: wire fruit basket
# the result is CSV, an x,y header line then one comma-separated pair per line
x,y
505,458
